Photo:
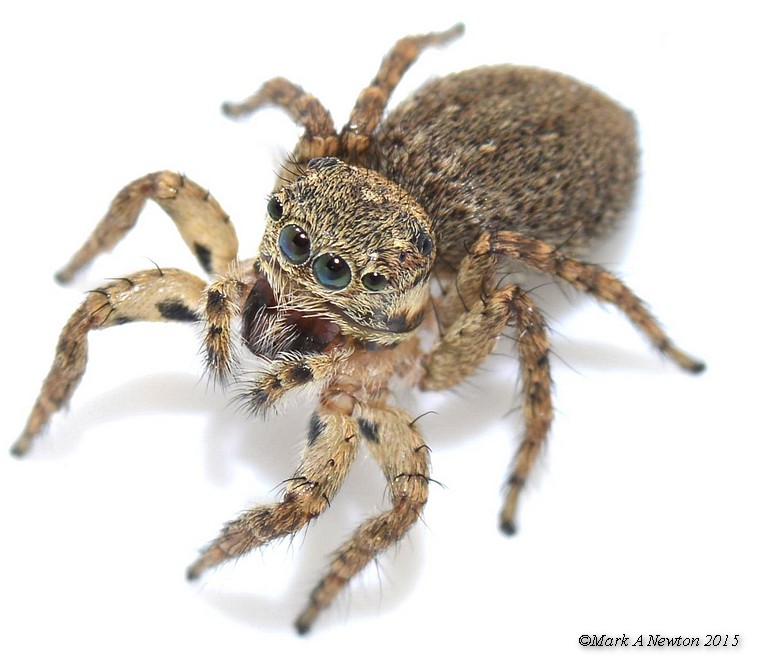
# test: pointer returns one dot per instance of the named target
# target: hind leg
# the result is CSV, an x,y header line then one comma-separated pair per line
x,y
372,101
473,313
588,278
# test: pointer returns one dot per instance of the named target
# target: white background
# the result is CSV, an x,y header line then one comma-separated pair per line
x,y
642,518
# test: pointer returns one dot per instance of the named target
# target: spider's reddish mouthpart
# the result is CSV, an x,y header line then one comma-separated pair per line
x,y
295,331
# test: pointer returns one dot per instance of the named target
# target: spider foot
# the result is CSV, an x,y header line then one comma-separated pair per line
x,y
683,360
507,522
508,527
209,558
21,445
305,620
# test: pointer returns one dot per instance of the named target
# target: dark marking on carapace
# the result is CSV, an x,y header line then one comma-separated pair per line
x,y
403,324
397,324
377,346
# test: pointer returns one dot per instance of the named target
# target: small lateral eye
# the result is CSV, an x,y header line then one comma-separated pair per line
x,y
374,281
295,244
424,244
332,271
274,208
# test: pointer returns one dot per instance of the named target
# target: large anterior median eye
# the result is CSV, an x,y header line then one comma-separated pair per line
x,y
295,244
332,271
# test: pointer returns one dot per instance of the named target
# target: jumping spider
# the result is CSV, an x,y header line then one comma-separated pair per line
x,y
476,170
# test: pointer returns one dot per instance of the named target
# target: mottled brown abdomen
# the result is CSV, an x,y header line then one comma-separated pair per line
x,y
511,148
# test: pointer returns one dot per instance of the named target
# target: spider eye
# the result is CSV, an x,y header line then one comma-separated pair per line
x,y
295,244
424,244
374,281
274,208
319,163
332,271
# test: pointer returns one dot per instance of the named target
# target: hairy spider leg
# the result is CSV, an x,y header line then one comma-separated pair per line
x,y
320,138
202,223
330,450
396,444
587,278
372,101
154,295
468,340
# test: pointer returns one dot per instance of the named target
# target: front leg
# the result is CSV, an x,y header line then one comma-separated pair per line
x,y
154,295
202,223
397,445
330,450
270,378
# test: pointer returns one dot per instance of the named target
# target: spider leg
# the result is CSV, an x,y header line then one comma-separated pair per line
x,y
288,371
471,338
202,223
220,306
474,275
331,448
397,445
588,278
155,295
371,103
319,138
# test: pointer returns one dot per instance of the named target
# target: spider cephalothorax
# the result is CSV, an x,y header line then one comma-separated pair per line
x,y
346,245
489,166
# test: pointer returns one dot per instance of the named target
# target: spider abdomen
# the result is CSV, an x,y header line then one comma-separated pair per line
x,y
511,148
